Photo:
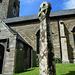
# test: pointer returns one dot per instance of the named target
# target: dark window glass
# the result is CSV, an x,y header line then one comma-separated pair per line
x,y
73,31
74,37
38,41
0,1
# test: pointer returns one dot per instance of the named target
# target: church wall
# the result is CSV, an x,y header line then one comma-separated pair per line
x,y
0,8
23,57
9,57
13,9
69,23
9,49
8,10
4,9
28,30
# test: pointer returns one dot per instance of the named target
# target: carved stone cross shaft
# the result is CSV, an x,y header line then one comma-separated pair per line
x,y
47,64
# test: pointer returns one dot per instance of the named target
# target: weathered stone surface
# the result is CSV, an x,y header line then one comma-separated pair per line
x,y
8,58
64,48
29,28
7,9
44,10
17,53
47,65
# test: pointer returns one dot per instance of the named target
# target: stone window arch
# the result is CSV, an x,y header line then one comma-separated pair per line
x,y
73,31
38,41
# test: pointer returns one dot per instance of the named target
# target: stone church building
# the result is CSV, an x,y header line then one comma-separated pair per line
x,y
20,37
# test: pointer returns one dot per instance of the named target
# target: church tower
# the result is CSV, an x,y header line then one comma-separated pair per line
x,y
9,8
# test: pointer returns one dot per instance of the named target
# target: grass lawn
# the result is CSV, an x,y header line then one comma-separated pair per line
x,y
61,69
65,69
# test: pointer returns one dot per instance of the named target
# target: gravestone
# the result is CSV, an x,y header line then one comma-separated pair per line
x,y
47,64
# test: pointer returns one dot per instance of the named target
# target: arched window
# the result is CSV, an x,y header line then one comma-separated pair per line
x,y
73,31
0,1
38,41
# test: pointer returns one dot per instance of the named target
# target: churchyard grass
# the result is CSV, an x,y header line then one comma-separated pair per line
x,y
61,69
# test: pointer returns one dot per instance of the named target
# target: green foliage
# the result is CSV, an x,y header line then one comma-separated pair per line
x,y
19,61
58,60
61,69
37,61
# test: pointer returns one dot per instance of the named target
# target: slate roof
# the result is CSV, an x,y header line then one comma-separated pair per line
x,y
35,17
19,37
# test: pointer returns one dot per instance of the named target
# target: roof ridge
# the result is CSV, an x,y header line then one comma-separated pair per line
x,y
35,16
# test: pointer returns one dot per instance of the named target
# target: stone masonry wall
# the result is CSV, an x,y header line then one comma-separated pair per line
x,y
9,54
11,8
6,9
10,57
0,9
28,30
22,58
19,58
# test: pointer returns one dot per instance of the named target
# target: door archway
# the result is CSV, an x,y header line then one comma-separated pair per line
x,y
1,57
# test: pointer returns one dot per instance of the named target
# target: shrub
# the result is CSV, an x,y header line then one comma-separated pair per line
x,y
58,60
37,61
